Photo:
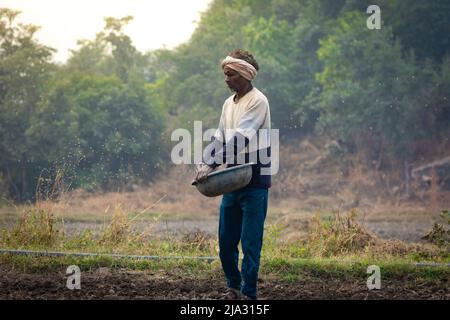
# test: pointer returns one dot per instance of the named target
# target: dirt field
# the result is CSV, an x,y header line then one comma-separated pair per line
x,y
106,283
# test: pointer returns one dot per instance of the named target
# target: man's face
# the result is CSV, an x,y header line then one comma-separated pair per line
x,y
233,79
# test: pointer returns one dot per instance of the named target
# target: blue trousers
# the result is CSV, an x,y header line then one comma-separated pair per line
x,y
242,215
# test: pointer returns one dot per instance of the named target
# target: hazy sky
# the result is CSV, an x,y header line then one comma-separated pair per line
x,y
156,23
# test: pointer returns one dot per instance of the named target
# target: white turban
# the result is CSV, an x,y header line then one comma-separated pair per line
x,y
244,68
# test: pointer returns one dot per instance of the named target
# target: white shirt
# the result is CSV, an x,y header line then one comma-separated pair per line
x,y
246,116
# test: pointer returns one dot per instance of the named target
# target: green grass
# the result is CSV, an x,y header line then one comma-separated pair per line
x,y
335,247
285,270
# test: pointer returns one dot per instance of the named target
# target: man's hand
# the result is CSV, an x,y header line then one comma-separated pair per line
x,y
202,171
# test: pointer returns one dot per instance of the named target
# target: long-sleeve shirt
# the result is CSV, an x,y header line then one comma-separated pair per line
x,y
243,136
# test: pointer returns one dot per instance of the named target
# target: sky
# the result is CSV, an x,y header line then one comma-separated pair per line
x,y
156,23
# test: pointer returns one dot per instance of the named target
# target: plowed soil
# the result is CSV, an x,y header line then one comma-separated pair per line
x,y
110,283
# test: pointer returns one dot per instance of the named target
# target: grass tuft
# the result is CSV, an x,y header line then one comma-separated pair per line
x,y
337,235
35,227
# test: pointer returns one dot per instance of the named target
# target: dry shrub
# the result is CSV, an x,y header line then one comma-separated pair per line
x,y
338,235
35,227
118,229
440,233
341,235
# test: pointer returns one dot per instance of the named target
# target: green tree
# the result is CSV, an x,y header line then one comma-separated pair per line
x,y
106,133
422,26
270,40
194,83
370,93
117,127
25,68
110,53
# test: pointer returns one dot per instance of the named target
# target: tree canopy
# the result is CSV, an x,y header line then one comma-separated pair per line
x,y
105,116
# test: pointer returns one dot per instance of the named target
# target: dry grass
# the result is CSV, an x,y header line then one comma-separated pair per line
x,y
35,227
38,229
180,199
118,229
201,241
440,233
338,235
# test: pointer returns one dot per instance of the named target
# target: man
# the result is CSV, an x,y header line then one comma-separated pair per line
x,y
242,212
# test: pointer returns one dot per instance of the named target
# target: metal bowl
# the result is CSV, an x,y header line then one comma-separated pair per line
x,y
226,180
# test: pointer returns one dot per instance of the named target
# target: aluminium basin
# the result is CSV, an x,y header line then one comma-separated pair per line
x,y
226,180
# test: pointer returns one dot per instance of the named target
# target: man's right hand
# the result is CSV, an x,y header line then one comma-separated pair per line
x,y
202,171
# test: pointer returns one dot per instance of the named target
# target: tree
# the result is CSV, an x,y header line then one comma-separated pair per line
x,y
25,69
111,52
113,130
422,26
370,92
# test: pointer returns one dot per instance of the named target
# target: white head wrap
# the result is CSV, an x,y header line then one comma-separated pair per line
x,y
244,68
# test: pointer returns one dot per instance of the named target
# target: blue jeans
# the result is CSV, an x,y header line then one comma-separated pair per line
x,y
242,215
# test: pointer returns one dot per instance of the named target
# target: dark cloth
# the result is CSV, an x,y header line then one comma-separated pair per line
x,y
229,152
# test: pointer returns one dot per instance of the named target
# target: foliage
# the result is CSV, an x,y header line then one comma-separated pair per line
x,y
105,116
368,97
91,118
25,69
